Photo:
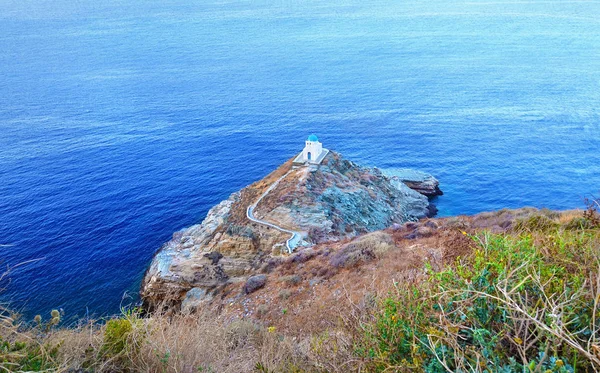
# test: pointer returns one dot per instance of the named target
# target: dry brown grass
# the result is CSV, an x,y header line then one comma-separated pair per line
x,y
567,216
172,344
192,343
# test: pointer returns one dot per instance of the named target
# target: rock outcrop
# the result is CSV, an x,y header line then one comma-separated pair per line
x,y
335,200
421,182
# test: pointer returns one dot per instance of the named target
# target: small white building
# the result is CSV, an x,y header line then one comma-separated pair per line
x,y
313,152
313,149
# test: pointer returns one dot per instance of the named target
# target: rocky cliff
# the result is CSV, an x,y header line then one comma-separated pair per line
x,y
335,200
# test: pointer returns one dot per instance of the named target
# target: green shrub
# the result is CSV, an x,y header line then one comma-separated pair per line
x,y
115,336
26,357
521,303
20,351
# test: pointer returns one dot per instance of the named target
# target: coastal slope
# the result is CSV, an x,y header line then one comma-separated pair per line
x,y
333,201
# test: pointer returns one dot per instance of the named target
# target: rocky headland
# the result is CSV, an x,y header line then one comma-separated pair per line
x,y
330,202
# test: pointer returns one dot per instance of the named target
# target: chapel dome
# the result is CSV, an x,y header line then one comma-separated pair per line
x,y
313,138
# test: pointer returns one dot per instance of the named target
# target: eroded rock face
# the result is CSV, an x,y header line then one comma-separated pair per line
x,y
421,182
335,200
206,256
341,199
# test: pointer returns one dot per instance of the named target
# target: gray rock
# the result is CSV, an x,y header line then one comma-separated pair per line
x,y
254,283
214,256
194,298
419,181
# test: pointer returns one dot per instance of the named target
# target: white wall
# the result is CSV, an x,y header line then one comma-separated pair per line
x,y
314,148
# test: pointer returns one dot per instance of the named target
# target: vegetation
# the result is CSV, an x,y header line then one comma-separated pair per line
x,y
363,249
520,303
526,300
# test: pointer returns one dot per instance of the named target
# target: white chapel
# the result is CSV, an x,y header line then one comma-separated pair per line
x,y
313,152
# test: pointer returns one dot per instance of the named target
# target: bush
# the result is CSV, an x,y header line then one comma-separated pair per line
x,y
579,223
291,280
27,357
363,249
241,333
524,303
285,294
262,310
536,223
591,213
378,242
116,336
21,351
351,256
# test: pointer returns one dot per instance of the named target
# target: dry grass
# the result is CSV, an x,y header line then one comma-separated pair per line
x,y
165,344
364,249
195,343
569,215
378,242
291,280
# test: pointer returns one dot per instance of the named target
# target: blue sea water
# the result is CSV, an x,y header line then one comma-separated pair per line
x,y
124,121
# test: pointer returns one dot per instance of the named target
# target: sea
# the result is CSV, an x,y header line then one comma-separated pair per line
x,y
124,121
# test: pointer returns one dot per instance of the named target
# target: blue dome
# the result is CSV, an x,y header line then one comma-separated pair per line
x,y
313,138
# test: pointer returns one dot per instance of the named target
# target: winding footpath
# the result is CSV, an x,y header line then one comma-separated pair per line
x,y
296,237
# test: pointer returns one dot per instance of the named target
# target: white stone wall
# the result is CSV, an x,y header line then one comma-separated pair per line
x,y
314,148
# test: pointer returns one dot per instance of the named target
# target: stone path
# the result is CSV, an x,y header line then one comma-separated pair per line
x,y
296,237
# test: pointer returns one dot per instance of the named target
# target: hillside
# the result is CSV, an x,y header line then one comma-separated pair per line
x,y
504,291
333,201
